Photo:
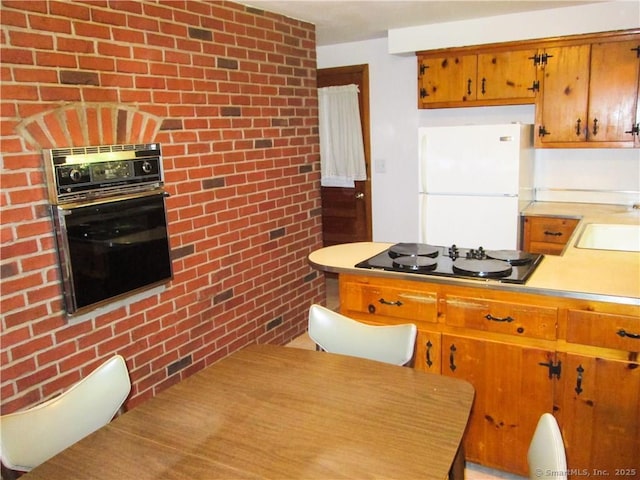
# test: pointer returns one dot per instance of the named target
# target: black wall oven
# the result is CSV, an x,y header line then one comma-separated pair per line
x,y
110,222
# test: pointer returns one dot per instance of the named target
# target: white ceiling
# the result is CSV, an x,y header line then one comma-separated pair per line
x,y
349,21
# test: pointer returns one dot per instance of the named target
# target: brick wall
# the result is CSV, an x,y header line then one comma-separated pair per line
x,y
229,91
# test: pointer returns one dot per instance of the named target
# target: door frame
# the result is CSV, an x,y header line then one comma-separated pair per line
x,y
362,71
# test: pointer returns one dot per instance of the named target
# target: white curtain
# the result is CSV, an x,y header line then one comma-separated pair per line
x,y
341,147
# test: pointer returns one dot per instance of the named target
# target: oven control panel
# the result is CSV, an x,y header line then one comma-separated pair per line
x,y
76,174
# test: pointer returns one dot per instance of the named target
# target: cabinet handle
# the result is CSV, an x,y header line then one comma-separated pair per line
x,y
580,371
452,357
542,131
624,333
578,122
397,303
429,345
484,80
490,317
553,234
595,126
469,87
371,308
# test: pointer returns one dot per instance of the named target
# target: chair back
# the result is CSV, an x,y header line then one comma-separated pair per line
x,y
30,437
336,333
546,455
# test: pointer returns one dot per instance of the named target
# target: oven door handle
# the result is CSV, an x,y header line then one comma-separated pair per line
x,y
67,207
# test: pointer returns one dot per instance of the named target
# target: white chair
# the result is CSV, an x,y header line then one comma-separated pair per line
x,y
546,455
30,437
336,333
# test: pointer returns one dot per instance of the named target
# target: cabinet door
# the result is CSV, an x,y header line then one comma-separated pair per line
x,y
448,79
505,75
547,235
512,391
613,87
562,111
599,415
428,351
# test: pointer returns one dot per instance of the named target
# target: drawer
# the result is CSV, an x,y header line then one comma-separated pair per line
x,y
501,317
376,300
551,230
621,332
546,248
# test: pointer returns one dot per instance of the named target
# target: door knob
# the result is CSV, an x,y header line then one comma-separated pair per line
x,y
359,195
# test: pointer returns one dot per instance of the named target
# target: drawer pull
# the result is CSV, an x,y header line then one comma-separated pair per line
x,y
371,308
580,371
397,303
490,317
624,333
429,345
452,358
553,234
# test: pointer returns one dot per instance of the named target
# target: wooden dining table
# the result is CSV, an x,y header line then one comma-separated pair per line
x,y
269,411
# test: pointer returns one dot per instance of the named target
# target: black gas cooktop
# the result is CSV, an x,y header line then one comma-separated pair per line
x,y
508,266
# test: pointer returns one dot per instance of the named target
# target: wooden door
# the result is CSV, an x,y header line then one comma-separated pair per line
x,y
599,415
615,69
562,111
448,79
505,75
512,390
346,212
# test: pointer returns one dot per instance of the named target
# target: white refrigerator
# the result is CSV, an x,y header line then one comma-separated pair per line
x,y
474,181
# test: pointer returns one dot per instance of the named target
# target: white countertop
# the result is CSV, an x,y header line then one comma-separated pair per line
x,y
580,273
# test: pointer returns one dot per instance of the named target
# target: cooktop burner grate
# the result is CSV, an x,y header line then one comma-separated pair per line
x,y
508,266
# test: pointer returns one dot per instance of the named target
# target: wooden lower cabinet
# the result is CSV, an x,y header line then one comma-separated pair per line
x,y
548,235
513,389
599,414
525,354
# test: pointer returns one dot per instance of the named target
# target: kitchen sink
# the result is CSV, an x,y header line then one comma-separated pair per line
x,y
603,236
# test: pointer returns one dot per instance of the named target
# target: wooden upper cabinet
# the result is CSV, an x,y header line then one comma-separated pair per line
x,y
507,75
447,79
613,86
589,95
562,108
585,87
493,78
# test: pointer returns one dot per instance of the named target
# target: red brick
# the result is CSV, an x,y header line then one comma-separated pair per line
x,y
127,35
112,50
34,40
75,45
67,9
55,130
49,59
49,23
19,92
91,30
74,126
131,66
31,348
36,75
13,18
144,23
109,17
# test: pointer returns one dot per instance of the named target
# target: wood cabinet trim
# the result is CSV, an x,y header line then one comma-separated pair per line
x,y
546,42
